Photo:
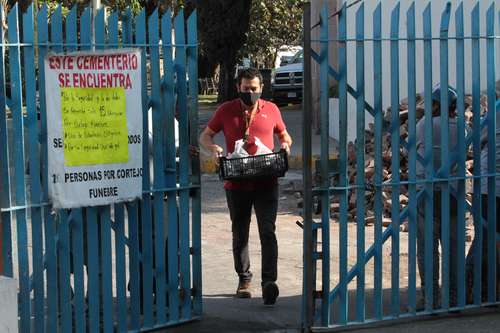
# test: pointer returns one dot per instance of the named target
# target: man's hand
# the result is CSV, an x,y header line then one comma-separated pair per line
x,y
286,146
216,150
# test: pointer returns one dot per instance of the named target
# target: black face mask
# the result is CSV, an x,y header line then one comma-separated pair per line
x,y
249,98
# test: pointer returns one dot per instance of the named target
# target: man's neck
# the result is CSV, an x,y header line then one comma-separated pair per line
x,y
249,109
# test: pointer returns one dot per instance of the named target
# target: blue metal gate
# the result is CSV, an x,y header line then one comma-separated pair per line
x,y
380,280
126,267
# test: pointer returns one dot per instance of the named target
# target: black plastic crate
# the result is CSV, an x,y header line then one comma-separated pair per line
x,y
251,167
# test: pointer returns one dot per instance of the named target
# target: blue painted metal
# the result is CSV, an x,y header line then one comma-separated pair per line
x,y
18,163
491,116
192,60
325,179
158,134
343,180
377,64
445,165
476,111
65,241
412,162
459,27
360,161
452,170
171,170
395,163
184,162
429,161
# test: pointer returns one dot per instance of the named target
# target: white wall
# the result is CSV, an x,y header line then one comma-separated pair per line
x,y
437,8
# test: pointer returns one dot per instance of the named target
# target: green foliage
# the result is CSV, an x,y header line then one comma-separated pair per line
x,y
273,23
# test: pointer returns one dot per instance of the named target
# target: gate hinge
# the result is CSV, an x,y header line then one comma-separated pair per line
x,y
318,294
318,255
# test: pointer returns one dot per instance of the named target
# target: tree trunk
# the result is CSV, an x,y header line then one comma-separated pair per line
x,y
227,83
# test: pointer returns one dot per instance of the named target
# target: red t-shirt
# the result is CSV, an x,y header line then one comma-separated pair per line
x,y
230,119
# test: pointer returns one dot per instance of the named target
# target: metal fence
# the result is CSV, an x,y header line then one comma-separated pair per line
x,y
125,267
376,275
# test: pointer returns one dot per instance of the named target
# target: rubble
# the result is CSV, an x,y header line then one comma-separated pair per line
x,y
369,168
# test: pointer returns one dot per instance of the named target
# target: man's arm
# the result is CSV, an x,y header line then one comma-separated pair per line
x,y
207,142
286,140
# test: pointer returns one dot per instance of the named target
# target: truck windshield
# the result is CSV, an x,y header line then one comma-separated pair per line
x,y
297,58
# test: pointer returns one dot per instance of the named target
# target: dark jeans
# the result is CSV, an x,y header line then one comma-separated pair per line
x,y
436,238
484,255
265,203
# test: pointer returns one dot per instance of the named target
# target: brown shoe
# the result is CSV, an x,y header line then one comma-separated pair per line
x,y
243,290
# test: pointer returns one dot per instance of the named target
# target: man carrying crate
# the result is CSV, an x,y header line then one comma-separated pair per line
x,y
249,117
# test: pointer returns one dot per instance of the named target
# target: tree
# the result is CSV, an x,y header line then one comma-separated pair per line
x,y
223,27
273,23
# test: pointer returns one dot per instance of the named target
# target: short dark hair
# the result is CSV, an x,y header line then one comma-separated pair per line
x,y
249,74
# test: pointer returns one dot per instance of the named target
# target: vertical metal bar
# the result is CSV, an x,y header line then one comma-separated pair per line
x,y
132,214
325,180
445,162
119,224
171,168
491,70
308,268
19,169
146,218
195,165
180,66
135,287
77,248
412,125
344,180
49,226
360,161
62,221
34,166
93,322
377,88
105,275
105,272
429,164
159,181
5,199
395,159
459,28
93,270
476,128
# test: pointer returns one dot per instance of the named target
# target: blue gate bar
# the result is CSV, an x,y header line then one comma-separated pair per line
x,y
459,30
476,110
412,162
445,165
18,163
377,65
184,248
158,169
395,161
429,164
192,36
360,161
171,169
344,180
491,116
325,180
34,174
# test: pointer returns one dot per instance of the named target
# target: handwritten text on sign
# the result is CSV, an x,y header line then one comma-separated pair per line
x,y
94,127
94,124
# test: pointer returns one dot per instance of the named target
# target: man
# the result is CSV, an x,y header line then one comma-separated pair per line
x,y
484,212
436,214
250,117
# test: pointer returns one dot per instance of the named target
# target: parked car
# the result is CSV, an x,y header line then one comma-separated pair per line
x,y
287,81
